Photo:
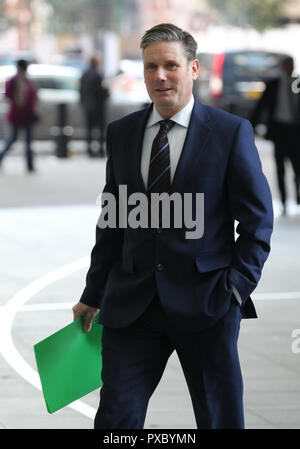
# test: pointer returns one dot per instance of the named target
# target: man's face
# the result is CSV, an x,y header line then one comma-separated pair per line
x,y
169,76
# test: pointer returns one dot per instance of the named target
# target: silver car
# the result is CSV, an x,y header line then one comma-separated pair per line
x,y
58,85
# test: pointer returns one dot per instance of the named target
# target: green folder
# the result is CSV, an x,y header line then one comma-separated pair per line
x,y
69,363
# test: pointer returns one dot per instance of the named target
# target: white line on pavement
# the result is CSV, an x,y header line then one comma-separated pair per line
x,y
17,304
38,307
8,312
275,296
54,306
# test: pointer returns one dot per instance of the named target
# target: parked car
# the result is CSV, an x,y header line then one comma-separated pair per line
x,y
12,57
58,84
235,80
128,85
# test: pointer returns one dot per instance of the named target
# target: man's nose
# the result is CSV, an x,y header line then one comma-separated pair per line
x,y
160,74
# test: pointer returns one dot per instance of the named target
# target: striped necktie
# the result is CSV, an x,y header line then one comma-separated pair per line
x,y
159,178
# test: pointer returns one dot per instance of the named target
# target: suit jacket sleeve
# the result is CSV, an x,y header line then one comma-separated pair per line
x,y
107,249
251,206
264,105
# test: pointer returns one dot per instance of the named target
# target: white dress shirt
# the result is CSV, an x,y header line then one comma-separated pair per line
x,y
176,137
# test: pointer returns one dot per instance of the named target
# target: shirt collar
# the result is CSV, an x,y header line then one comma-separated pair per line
x,y
181,117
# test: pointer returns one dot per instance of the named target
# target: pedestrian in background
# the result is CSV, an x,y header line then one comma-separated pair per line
x,y
281,106
22,114
93,98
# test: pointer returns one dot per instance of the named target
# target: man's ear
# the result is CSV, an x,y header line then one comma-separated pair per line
x,y
195,68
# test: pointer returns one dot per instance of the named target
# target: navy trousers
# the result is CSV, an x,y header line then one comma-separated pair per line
x,y
134,359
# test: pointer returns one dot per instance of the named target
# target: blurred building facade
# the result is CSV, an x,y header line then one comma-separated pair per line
x,y
29,28
194,15
291,13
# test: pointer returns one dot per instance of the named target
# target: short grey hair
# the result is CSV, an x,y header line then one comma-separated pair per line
x,y
171,33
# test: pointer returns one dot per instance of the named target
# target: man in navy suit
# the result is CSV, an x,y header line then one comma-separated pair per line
x,y
158,288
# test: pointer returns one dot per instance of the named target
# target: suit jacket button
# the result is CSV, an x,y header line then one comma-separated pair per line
x,y
159,230
160,267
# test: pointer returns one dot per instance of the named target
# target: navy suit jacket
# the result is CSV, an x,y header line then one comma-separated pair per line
x,y
193,278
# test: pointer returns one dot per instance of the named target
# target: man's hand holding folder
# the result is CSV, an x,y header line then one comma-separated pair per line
x,y
87,312
69,361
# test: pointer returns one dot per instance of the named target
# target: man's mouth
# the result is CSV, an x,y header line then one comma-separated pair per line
x,y
163,89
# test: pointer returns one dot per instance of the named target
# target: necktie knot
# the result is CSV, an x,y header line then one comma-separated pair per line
x,y
166,125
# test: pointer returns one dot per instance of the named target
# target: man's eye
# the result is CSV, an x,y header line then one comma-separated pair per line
x,y
151,67
171,65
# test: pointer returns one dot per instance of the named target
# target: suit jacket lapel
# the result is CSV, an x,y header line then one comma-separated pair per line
x,y
197,137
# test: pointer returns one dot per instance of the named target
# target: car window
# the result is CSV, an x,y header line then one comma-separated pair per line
x,y
252,63
66,83
133,67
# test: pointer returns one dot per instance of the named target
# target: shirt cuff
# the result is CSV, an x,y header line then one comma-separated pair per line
x,y
237,295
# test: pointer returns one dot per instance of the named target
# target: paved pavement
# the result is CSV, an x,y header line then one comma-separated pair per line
x,y
47,223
